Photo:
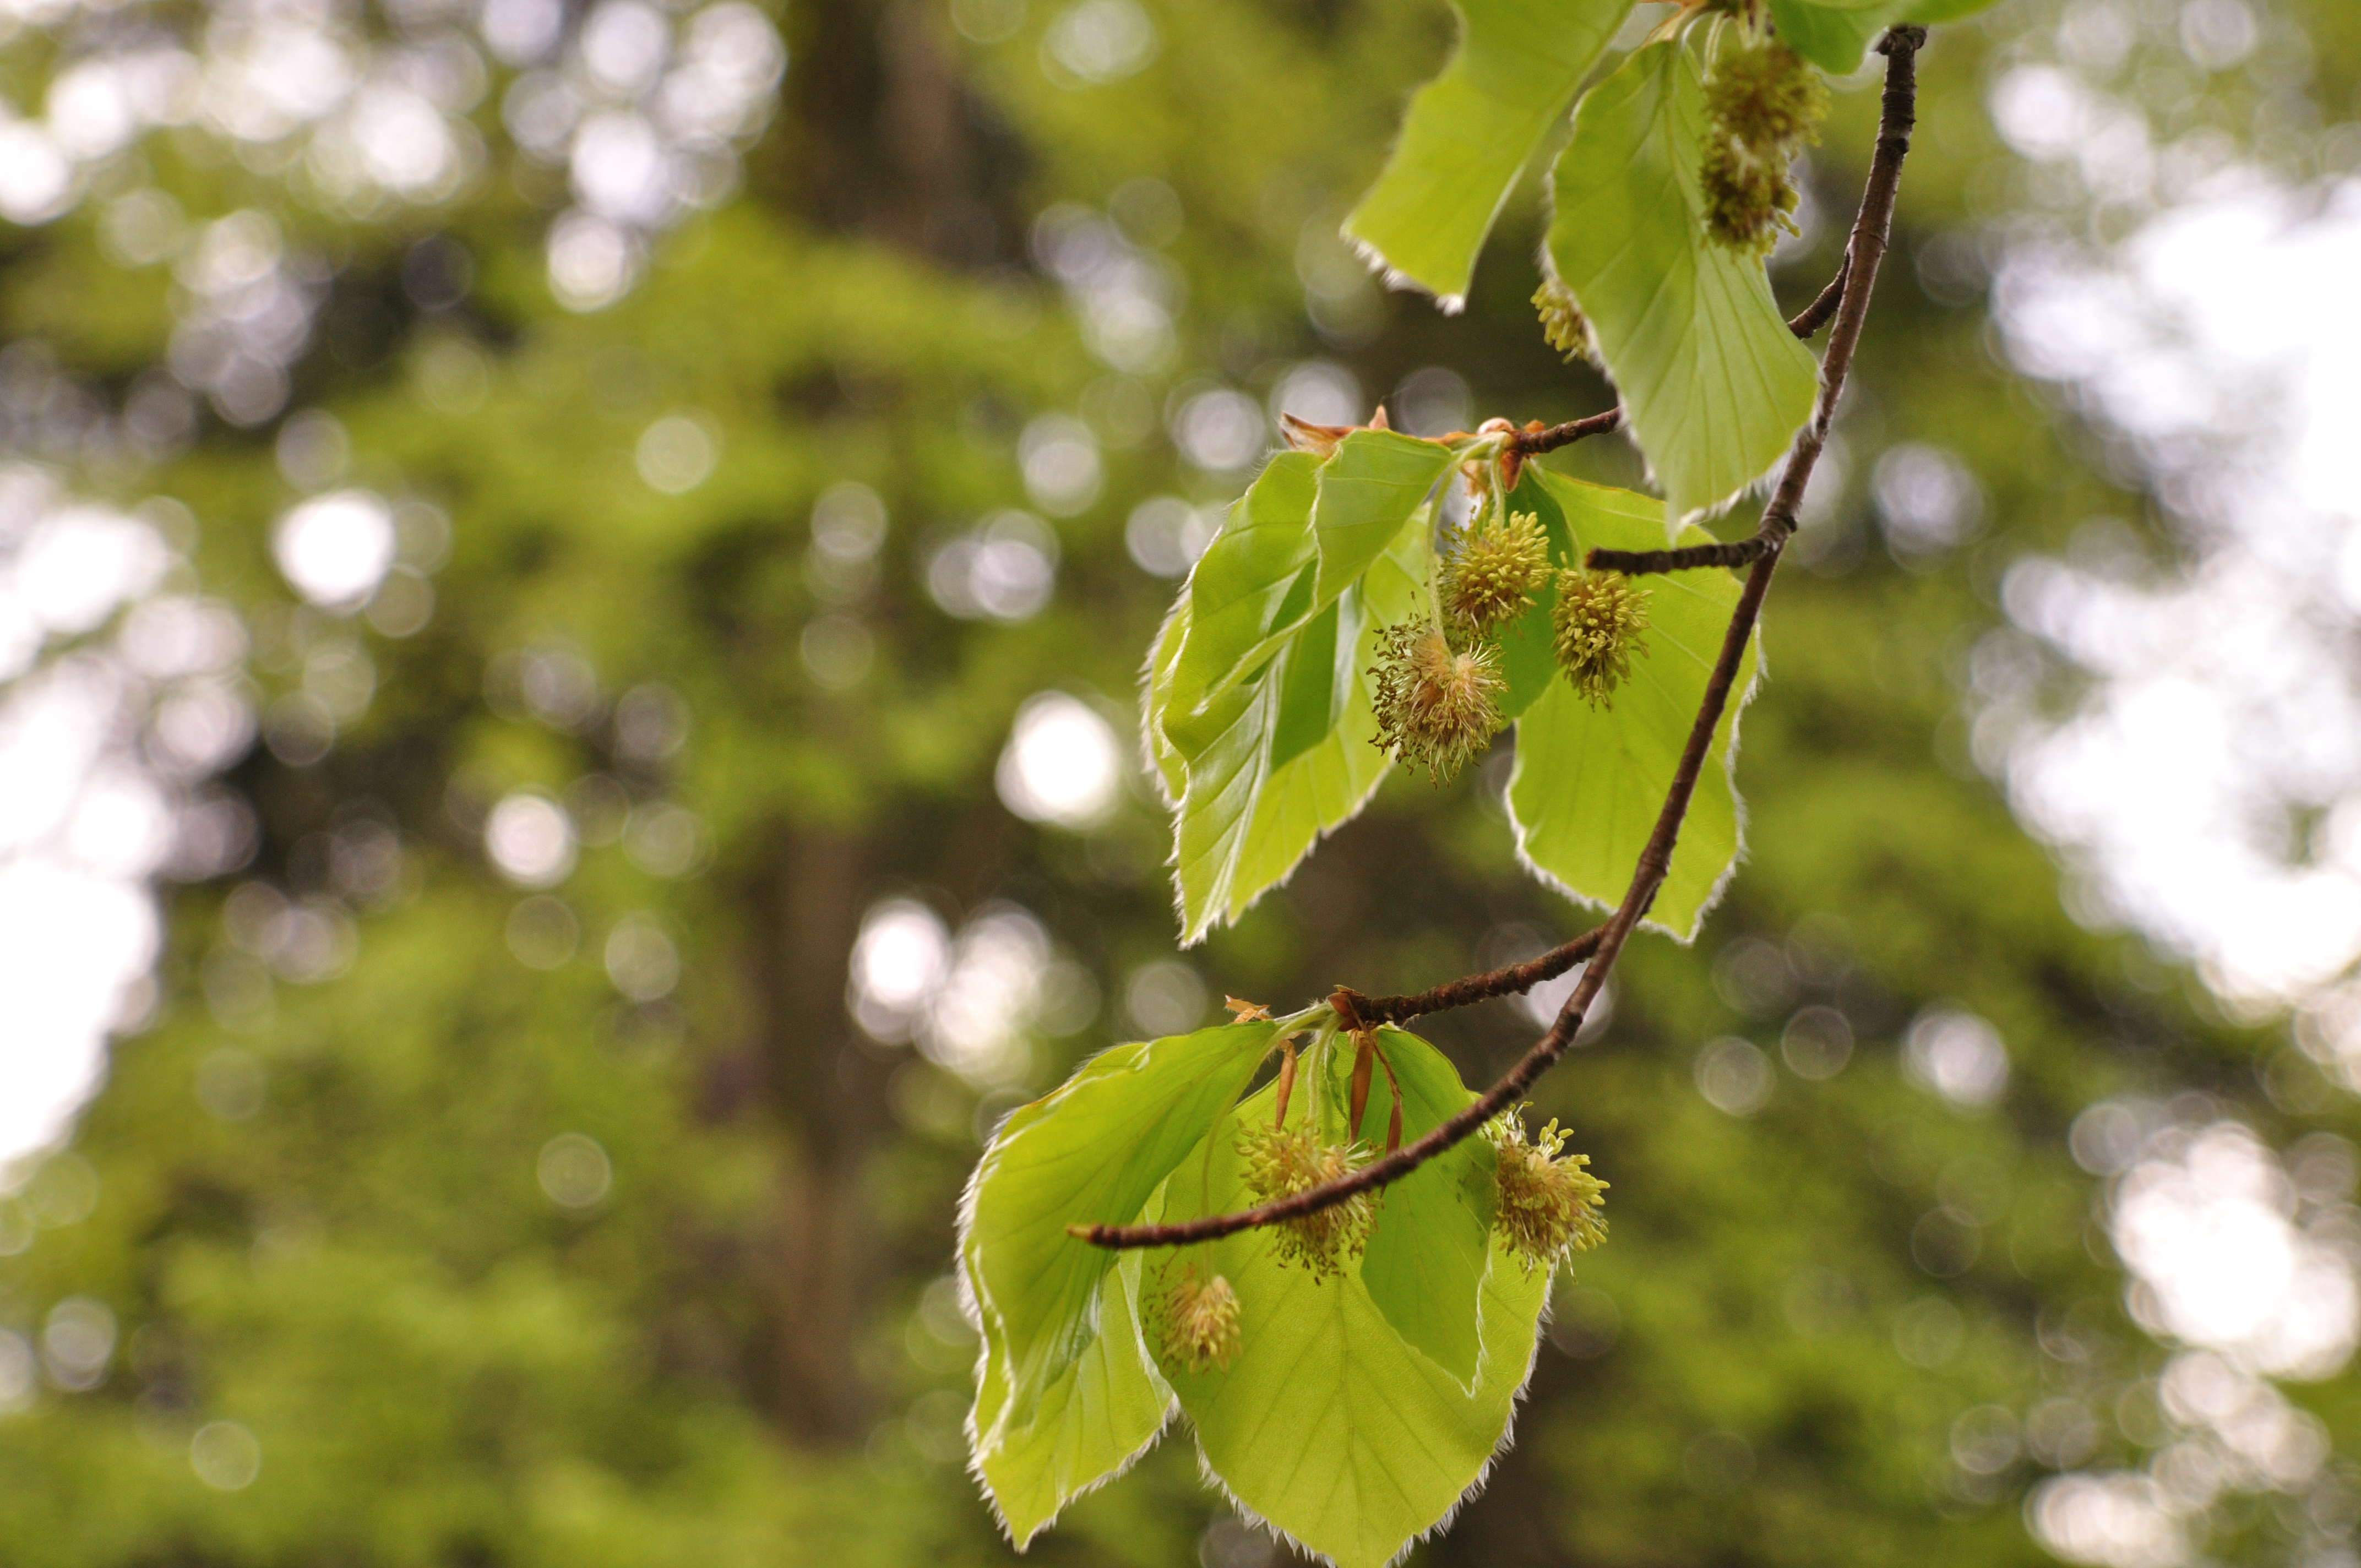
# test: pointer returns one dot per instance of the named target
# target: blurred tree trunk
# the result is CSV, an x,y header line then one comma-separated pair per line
x,y
816,1256
884,143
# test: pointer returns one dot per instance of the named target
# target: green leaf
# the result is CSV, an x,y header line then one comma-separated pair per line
x,y
1091,1152
1589,784
1289,755
1470,132
1252,585
1367,489
1428,1250
1713,383
1098,1416
1528,653
1171,773
1831,34
1328,1425
1834,35
1316,683
1228,753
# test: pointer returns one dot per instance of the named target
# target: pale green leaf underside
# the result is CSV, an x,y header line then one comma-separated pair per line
x,y
1367,491
1431,1241
1713,383
1098,1416
1836,34
1470,131
1251,587
1328,1425
1094,1151
1254,797
1589,784
1171,773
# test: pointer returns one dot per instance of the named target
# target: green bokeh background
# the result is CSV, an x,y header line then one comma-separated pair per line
x,y
743,1353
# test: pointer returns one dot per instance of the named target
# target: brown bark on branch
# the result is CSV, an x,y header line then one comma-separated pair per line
x,y
1510,980
1867,248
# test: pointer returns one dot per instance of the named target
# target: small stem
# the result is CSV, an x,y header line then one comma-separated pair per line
x,y
1815,315
1533,441
1510,980
1738,552
1900,45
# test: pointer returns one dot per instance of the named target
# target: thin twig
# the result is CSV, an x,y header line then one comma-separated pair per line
x,y
1815,315
1863,253
1900,45
1735,555
1534,440
1509,979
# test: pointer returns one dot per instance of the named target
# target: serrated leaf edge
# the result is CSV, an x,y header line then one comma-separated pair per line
x,y
976,1452
1738,812
1508,1439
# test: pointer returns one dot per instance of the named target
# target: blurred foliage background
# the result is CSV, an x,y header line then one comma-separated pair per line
x,y
641,515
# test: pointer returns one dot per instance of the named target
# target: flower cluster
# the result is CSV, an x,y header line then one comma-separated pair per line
x,y
1200,1320
1562,323
1281,1162
1597,625
1436,706
1548,1206
1763,105
1493,571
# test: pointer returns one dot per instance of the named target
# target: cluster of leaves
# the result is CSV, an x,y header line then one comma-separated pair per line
x,y
1348,1379
1328,632
1263,696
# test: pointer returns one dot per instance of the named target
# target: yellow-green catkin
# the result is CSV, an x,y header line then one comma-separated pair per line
x,y
1596,628
1549,1206
1201,1320
1562,323
1763,105
1281,1162
1493,571
1436,706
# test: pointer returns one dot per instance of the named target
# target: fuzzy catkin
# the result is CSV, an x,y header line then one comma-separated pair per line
x,y
1493,571
1548,1208
1281,1162
1562,324
1763,105
1436,706
1595,630
1201,1319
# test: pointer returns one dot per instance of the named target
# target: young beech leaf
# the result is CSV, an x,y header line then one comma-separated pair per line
x,y
1834,35
1252,585
1424,1267
1527,658
1367,491
1092,1151
1304,531
1093,1420
1713,383
1588,781
1284,757
1471,130
1328,1425
1165,763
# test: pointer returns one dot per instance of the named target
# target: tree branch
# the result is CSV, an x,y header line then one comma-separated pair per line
x,y
1815,315
1510,980
1863,253
1534,440
1900,46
